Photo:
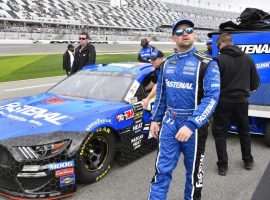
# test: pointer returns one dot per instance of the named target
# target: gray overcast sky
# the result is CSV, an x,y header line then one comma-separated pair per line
x,y
233,5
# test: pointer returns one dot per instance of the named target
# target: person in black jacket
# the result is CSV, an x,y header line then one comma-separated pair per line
x,y
239,76
85,54
68,58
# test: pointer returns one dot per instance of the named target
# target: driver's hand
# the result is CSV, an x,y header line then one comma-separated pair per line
x,y
183,134
154,129
145,103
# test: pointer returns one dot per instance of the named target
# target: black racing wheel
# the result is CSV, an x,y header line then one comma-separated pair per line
x,y
96,155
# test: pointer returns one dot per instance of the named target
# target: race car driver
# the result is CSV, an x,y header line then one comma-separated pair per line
x,y
188,88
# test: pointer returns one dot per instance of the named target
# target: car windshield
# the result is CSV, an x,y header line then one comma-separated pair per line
x,y
110,86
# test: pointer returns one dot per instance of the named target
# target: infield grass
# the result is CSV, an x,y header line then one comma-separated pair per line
x,y
36,66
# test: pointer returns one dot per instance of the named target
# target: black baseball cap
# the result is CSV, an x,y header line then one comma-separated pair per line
x,y
156,54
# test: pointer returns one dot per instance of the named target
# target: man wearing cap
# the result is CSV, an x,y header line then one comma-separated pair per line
x,y
156,60
187,93
209,47
68,58
145,52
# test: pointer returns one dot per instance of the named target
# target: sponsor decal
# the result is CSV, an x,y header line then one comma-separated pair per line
x,y
138,107
120,117
215,71
133,100
263,65
54,100
169,71
189,68
206,112
129,114
125,116
67,180
206,61
173,62
199,183
34,112
189,73
190,63
132,91
104,129
215,85
85,143
61,165
137,127
138,115
103,174
136,142
64,172
255,48
126,130
181,85
97,122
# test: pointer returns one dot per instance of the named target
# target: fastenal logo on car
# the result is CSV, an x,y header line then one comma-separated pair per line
x,y
34,112
55,166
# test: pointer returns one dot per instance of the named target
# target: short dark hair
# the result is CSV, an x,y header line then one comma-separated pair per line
x,y
70,46
86,34
225,38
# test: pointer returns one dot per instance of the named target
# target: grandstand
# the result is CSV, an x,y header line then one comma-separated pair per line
x,y
64,19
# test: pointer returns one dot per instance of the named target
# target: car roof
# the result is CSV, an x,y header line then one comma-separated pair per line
x,y
127,67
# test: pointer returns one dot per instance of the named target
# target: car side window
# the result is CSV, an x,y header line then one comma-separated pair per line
x,y
145,87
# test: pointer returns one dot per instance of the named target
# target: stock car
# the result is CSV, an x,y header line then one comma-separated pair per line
x,y
73,132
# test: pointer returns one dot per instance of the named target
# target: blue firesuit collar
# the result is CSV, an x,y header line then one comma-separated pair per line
x,y
185,53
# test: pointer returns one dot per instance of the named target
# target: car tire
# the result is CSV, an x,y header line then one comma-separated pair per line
x,y
267,133
96,155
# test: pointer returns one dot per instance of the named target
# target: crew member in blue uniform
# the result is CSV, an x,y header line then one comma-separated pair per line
x,y
146,51
188,88
209,47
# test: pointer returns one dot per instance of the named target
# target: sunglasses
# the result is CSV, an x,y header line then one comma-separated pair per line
x,y
180,32
82,38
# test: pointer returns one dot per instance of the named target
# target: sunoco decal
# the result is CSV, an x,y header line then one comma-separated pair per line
x,y
31,111
67,180
56,166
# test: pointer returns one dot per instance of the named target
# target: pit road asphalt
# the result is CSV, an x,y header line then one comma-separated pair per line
x,y
131,182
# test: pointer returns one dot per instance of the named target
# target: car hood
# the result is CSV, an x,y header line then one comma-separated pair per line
x,y
47,112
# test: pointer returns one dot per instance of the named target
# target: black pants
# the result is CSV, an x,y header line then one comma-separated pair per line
x,y
222,119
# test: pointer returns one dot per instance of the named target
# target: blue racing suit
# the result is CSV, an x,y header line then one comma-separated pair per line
x,y
145,53
188,88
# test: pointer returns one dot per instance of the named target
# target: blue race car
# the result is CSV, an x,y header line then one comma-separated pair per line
x,y
73,132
